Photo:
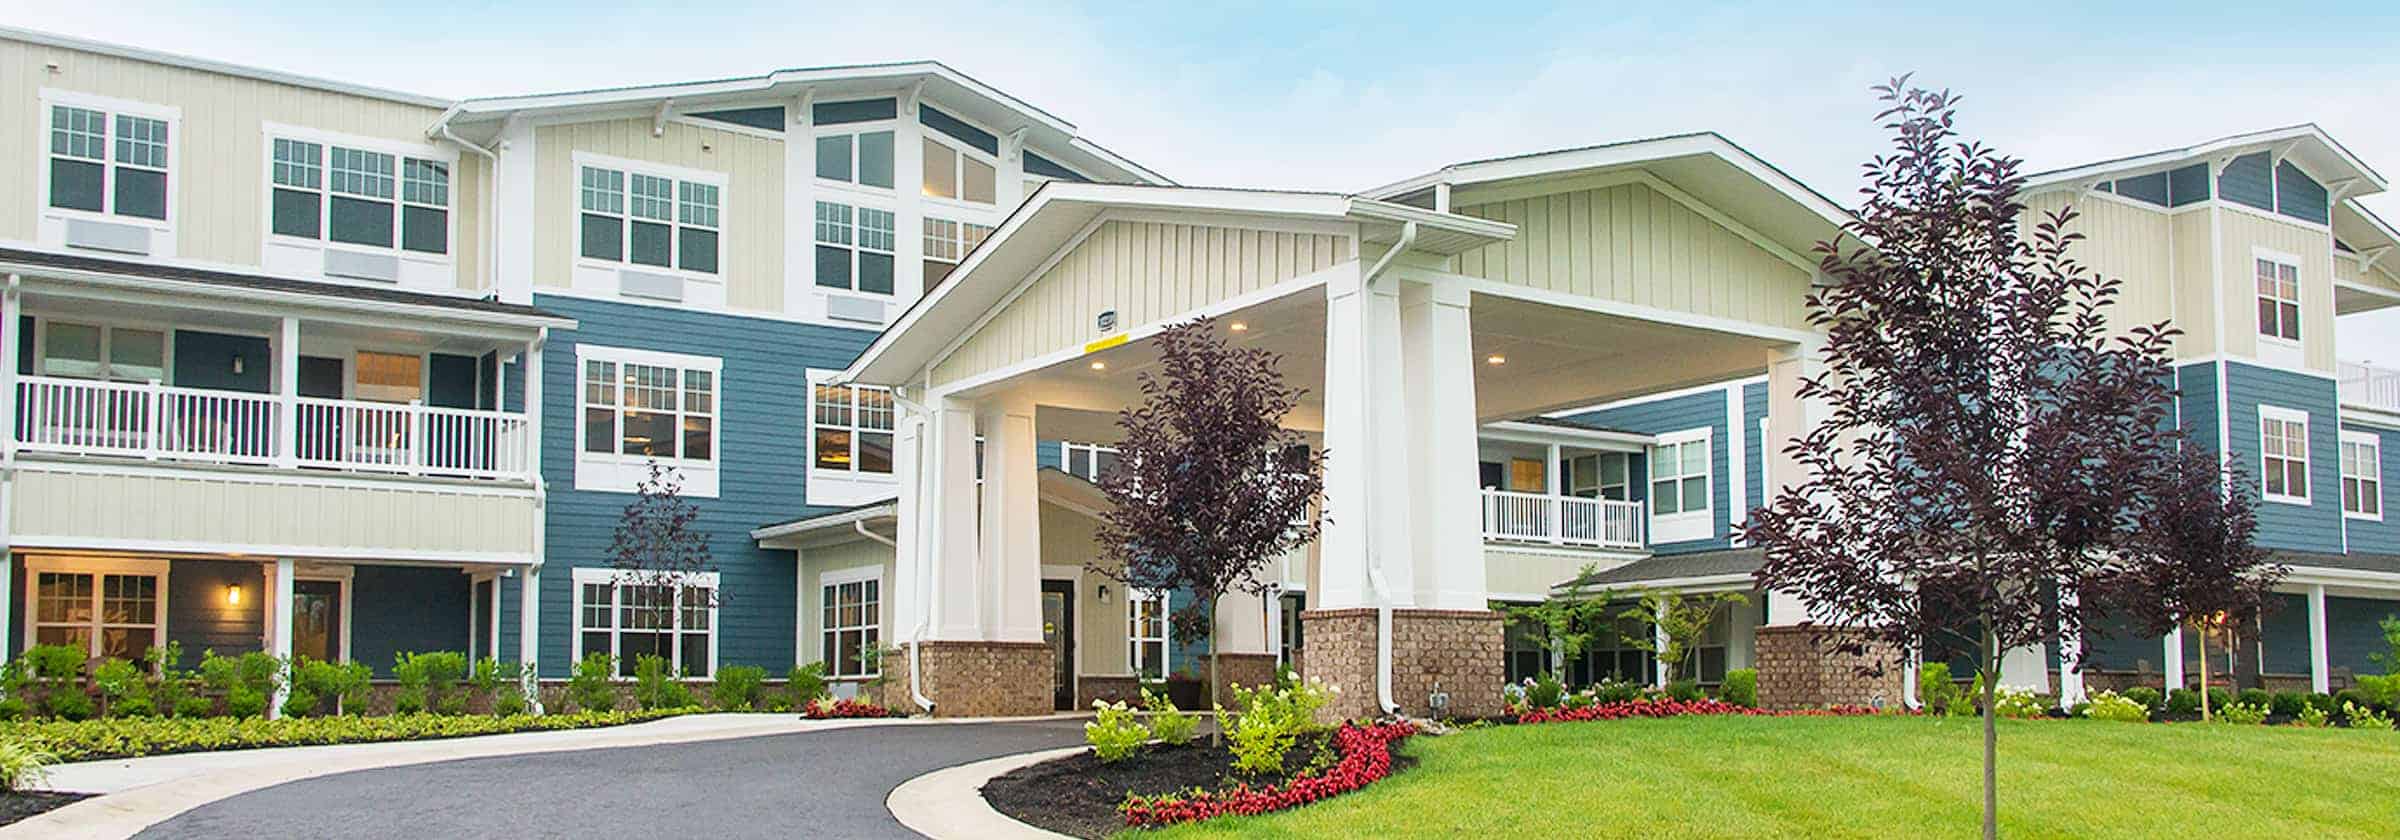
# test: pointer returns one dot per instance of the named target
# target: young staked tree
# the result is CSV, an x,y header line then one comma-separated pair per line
x,y
2199,568
658,547
1209,488
1679,623
1988,433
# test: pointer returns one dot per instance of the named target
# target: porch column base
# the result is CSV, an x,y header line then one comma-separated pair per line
x,y
1797,671
1248,670
1460,652
973,678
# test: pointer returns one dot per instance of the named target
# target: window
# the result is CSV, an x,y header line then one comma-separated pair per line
x,y
390,377
863,158
360,197
1679,475
1528,649
1087,461
946,243
1289,606
671,619
653,220
953,172
84,351
648,407
854,247
108,608
2278,299
853,621
1146,633
2362,475
1602,476
1613,655
2283,450
110,163
852,428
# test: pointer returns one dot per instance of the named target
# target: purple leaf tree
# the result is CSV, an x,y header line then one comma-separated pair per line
x,y
658,547
2199,569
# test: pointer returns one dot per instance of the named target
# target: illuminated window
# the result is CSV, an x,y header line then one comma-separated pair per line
x,y
851,428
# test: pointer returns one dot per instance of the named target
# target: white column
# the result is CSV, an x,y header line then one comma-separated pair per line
x,y
1366,492
2320,670
2174,663
1658,638
1737,463
12,310
1437,353
2026,668
800,209
1012,535
529,626
280,609
908,206
908,596
2070,662
951,536
513,221
1241,624
1789,418
1273,629
287,375
533,419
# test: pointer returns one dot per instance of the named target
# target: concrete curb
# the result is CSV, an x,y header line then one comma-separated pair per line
x,y
949,803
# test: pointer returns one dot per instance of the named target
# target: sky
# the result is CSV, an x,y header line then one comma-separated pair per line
x,y
1350,96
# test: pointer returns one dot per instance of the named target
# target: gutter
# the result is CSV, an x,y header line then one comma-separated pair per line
x,y
483,230
1375,581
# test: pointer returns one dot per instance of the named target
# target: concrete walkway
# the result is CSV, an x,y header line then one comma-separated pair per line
x,y
617,781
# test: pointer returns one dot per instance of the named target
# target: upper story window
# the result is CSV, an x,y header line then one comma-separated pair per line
x,y
650,219
86,351
946,243
956,172
640,406
856,157
359,196
1679,475
108,161
854,247
2362,475
851,428
1087,461
2278,299
1601,476
2283,454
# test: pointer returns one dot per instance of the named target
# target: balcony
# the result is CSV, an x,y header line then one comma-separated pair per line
x,y
1561,520
2369,386
157,422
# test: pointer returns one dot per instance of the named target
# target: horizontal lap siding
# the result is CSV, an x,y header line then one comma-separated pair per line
x,y
1690,411
1754,449
198,617
2352,634
1145,272
2316,526
2196,403
406,609
1633,244
2368,536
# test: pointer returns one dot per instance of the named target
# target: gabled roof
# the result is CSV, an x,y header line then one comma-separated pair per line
x,y
1047,222
209,66
2305,145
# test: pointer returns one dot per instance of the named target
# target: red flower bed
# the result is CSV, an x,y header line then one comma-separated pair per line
x,y
845,708
1674,708
1366,755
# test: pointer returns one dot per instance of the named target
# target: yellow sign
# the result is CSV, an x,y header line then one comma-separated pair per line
x,y
1105,343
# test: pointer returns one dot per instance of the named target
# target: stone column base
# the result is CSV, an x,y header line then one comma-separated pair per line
x,y
1459,652
1248,670
1798,671
974,679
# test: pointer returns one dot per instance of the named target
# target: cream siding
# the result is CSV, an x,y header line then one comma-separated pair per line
x,y
219,182
2379,277
2122,241
1633,244
1067,540
2245,231
2195,283
753,236
1147,273
815,563
1519,571
400,522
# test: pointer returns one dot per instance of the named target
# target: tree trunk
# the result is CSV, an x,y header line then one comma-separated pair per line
x,y
1208,634
1991,734
2203,628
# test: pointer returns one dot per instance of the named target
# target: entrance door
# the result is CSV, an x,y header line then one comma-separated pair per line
x,y
1058,631
317,619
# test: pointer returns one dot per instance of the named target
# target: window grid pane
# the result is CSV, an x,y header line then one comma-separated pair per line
x,y
360,173
875,230
78,133
603,191
698,205
142,142
652,197
941,239
833,223
425,182
299,164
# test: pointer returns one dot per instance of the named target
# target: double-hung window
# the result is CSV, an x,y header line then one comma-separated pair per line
x,y
1087,461
851,428
956,172
852,605
627,617
109,162
2278,299
1679,487
2362,475
641,406
2283,454
946,244
355,196
854,247
110,608
645,218
1146,633
856,157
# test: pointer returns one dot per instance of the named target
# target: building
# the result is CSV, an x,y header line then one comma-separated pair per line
x,y
331,371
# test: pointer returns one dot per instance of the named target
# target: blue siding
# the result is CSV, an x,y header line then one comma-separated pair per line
x,y
2283,635
2196,403
1049,455
2368,536
2299,196
396,609
2245,181
199,618
763,397
2151,188
1690,411
2187,185
2352,636
1754,449
2316,526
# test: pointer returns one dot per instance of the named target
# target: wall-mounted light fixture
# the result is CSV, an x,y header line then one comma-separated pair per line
x,y
1103,593
233,595
237,365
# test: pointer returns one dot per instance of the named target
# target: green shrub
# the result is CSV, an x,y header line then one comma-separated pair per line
x,y
2323,702
1934,687
1270,721
2382,690
1616,691
192,705
1545,692
2313,716
428,681
2287,703
2109,705
2219,698
68,703
592,686
123,686
315,684
2361,717
2144,695
1740,688
1684,690
2018,703
13,708
2183,701
1168,724
2352,697
301,702
2259,697
501,684
737,687
56,663
23,765
245,702
2243,714
655,687
805,683
1114,733
110,738
510,702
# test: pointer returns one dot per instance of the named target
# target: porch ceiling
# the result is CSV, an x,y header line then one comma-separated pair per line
x,y
411,336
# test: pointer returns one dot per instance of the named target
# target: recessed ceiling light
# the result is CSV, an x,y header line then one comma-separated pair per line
x,y
1495,359
1239,326
1099,365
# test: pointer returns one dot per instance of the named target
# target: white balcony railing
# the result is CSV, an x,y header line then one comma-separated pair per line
x,y
1561,520
2370,386
161,422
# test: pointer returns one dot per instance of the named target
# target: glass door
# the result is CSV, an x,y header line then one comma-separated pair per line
x,y
1058,631
317,619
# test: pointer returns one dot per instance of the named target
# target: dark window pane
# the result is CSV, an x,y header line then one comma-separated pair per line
x,y
603,237
2266,317
296,213
833,157
874,452
696,437
699,250
695,654
359,221
595,643
875,159
650,245
75,184
2291,321
937,271
599,429
425,229
833,267
650,433
875,273
141,193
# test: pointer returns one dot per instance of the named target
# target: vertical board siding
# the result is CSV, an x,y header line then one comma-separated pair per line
x,y
2194,263
406,609
199,508
753,236
2130,244
2316,526
2244,232
763,399
1146,272
1675,414
1633,244
2368,536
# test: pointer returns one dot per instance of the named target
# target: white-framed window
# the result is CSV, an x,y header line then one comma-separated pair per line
x,y
2278,297
1604,475
1146,633
2362,475
854,247
350,194
2283,454
628,619
650,218
1680,484
639,406
852,618
110,607
98,351
108,158
1087,461
849,155
850,428
947,242
959,173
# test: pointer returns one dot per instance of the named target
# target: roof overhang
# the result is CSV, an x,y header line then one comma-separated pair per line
x,y
2305,146
1058,212
791,534
1524,432
243,291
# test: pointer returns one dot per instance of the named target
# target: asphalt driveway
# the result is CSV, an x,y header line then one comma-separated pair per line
x,y
816,784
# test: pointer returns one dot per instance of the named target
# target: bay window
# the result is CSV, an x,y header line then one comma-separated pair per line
x,y
649,219
108,162
854,247
672,617
851,428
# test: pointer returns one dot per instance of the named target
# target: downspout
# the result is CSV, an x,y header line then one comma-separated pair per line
x,y
924,593
1375,581
491,210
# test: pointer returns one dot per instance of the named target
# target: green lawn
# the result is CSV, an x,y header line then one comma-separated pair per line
x,y
1861,777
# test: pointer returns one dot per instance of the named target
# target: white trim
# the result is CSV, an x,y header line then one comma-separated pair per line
x,y
2285,415
96,567
1165,639
2356,438
401,152
676,176
203,549
828,486
1683,525
825,625
111,285
582,575
1734,385
614,472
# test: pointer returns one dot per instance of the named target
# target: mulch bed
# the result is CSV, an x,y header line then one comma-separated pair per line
x,y
23,804
1077,795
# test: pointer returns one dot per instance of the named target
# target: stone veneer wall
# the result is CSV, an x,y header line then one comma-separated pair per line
x,y
974,679
1460,651
1796,672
